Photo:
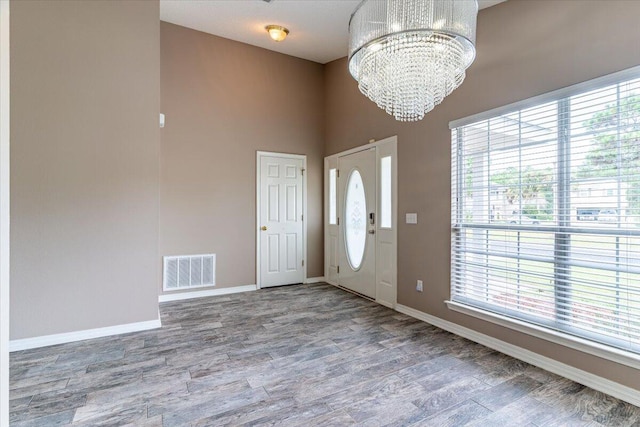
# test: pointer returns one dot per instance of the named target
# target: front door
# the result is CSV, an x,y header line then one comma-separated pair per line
x,y
280,220
357,239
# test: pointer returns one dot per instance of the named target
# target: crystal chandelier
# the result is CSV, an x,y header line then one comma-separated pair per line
x,y
407,55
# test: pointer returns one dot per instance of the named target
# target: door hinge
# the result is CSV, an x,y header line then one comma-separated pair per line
x,y
338,221
337,173
302,171
303,263
338,268
301,217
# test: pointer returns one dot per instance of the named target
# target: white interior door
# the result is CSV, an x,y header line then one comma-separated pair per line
x,y
281,242
357,239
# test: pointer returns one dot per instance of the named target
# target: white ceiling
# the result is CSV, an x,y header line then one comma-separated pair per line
x,y
319,28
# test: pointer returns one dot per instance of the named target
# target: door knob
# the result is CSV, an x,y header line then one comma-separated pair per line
x,y
372,231
263,228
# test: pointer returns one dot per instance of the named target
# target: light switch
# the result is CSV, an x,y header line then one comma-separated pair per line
x,y
412,218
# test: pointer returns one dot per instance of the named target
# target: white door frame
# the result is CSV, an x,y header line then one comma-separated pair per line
x,y
303,157
4,212
389,147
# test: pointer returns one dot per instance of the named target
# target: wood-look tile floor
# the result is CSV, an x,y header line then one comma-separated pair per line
x,y
300,355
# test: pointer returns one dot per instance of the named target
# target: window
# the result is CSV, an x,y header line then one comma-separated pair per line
x,y
355,224
385,192
546,212
332,197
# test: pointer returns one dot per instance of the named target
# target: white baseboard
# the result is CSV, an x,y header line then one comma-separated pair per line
x,y
47,340
596,382
314,279
177,296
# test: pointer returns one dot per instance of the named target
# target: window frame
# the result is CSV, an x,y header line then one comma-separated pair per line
x,y
561,96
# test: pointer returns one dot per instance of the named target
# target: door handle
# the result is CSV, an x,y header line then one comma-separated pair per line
x,y
263,228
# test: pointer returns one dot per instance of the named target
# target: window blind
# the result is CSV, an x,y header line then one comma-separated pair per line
x,y
546,214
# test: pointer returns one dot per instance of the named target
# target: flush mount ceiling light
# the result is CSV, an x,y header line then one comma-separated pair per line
x,y
408,55
277,32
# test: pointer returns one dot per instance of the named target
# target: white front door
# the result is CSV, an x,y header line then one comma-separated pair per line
x,y
280,220
348,219
357,239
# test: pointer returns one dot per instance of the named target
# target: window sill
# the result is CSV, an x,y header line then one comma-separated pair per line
x,y
600,350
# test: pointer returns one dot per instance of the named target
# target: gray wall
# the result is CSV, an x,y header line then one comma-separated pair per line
x,y
85,96
85,153
223,101
525,48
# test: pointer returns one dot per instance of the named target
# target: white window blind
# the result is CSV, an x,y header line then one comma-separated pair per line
x,y
546,213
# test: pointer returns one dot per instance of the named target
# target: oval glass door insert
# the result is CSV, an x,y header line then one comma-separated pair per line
x,y
355,229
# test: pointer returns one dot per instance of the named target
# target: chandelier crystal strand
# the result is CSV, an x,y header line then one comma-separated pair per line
x,y
408,55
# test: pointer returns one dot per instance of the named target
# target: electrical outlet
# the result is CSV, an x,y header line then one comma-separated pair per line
x,y
419,286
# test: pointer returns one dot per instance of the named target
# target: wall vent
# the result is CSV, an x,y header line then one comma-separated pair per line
x,y
189,271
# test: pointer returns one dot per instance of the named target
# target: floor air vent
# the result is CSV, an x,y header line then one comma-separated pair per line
x,y
192,271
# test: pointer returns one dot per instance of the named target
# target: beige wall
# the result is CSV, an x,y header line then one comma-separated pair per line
x,y
84,164
525,48
223,101
87,206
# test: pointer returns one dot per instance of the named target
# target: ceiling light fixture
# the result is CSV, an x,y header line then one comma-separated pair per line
x,y
408,55
277,32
